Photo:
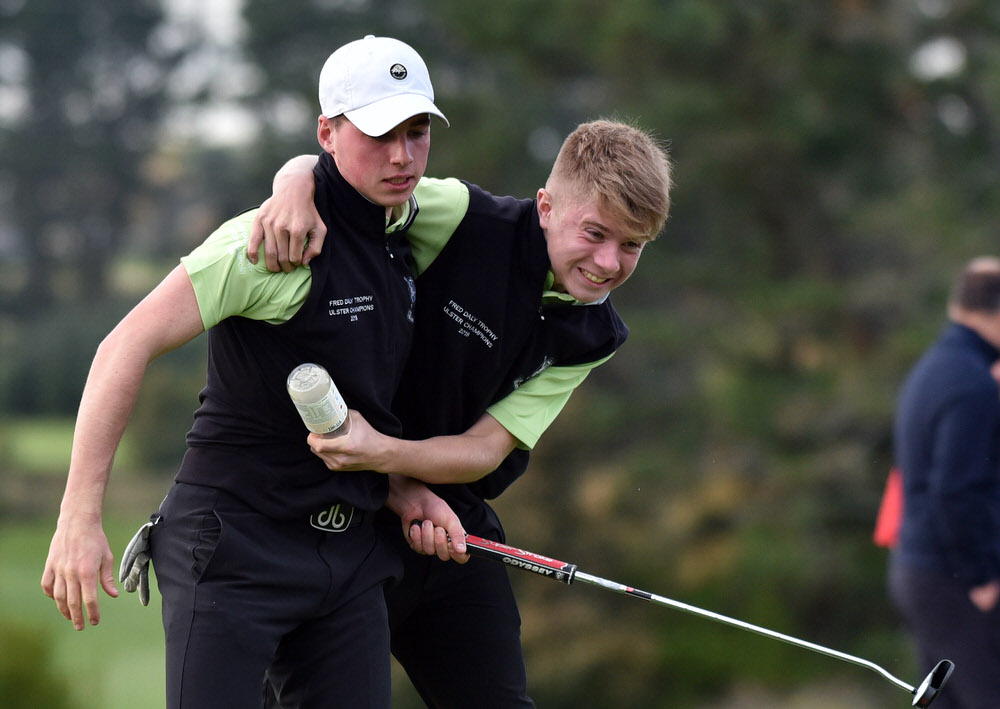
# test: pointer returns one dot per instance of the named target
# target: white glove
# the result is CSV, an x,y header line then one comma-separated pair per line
x,y
134,571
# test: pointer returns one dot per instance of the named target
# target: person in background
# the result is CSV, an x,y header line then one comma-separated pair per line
x,y
512,313
944,570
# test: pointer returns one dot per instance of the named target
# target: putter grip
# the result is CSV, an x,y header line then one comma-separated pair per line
x,y
521,559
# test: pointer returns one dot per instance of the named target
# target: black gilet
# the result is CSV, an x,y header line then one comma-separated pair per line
x,y
357,321
482,330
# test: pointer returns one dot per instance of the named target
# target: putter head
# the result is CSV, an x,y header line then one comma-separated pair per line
x,y
932,684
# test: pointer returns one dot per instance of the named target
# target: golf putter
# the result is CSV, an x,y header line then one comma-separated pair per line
x,y
923,694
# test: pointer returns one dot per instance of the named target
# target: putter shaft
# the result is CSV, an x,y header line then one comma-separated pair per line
x,y
694,610
567,573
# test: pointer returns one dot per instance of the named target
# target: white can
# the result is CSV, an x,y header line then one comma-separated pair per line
x,y
318,401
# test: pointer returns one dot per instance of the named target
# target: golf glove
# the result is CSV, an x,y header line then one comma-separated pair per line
x,y
134,571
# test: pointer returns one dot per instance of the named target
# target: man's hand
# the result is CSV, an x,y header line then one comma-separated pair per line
x,y
985,597
134,571
430,539
429,524
79,558
361,448
287,223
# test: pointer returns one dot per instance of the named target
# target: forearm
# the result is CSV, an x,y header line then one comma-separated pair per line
x,y
404,496
451,459
297,171
428,524
167,318
442,459
105,407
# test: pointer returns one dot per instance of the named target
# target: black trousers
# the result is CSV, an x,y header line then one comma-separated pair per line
x,y
945,624
246,596
456,630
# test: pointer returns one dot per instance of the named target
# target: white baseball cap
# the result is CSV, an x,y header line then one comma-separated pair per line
x,y
377,83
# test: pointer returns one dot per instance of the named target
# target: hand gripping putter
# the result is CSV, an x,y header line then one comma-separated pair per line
x,y
923,694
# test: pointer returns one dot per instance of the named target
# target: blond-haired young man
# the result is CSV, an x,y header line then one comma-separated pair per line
x,y
512,314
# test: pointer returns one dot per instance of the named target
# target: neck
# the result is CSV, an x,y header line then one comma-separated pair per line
x,y
987,326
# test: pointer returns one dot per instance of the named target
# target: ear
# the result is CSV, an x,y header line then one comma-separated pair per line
x,y
544,207
324,134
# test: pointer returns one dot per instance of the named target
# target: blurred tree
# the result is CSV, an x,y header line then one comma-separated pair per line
x,y
85,84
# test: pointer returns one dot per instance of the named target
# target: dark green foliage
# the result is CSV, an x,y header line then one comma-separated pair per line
x,y
97,85
27,677
44,361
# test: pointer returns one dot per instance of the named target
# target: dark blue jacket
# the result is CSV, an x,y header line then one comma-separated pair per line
x,y
947,439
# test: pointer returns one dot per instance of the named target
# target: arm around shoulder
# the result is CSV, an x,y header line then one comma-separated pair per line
x,y
287,223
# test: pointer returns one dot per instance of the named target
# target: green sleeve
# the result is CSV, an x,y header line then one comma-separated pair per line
x,y
529,410
442,205
226,283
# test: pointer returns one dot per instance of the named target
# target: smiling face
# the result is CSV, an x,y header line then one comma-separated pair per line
x,y
590,254
384,168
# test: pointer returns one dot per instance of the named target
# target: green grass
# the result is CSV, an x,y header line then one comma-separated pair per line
x,y
119,663
42,445
116,665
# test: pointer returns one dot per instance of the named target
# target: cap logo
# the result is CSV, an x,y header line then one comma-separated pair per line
x,y
397,72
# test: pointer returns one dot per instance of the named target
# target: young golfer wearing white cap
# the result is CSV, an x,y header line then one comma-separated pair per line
x,y
512,314
268,564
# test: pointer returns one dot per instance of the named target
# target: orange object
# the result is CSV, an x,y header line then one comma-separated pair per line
x,y
890,511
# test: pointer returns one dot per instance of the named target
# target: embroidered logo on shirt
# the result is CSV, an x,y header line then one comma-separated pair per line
x,y
351,308
469,325
336,519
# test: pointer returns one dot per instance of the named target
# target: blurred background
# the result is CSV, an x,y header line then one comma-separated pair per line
x,y
836,163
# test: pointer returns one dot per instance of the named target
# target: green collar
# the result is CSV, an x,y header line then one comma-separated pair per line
x,y
550,296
